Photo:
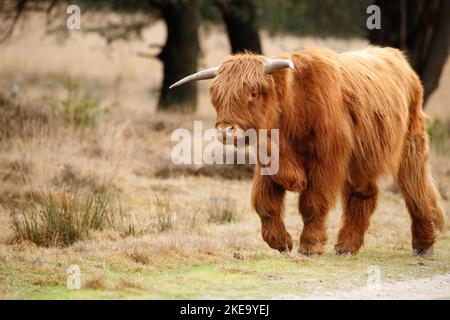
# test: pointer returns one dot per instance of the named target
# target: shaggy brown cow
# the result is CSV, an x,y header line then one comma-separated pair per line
x,y
345,120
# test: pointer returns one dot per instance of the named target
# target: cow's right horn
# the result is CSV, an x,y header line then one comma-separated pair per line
x,y
201,75
276,64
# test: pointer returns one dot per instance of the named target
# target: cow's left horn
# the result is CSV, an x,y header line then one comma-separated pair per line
x,y
277,64
201,75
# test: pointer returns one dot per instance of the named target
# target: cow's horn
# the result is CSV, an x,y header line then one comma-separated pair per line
x,y
276,64
201,75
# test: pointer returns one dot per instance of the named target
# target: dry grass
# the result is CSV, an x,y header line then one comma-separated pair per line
x,y
221,210
96,283
62,218
230,172
140,257
127,284
20,120
179,228
165,216
6,294
16,170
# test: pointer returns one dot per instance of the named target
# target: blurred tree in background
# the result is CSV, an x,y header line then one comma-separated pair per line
x,y
322,18
422,29
240,17
418,26
180,52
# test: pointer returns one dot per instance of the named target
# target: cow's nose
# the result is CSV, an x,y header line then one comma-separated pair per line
x,y
222,132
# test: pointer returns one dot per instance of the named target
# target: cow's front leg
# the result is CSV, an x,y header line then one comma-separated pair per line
x,y
313,207
268,201
290,176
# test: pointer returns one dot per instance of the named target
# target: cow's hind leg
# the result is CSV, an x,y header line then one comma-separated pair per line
x,y
268,201
359,202
421,196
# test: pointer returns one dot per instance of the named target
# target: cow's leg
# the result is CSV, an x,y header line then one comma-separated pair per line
x,y
268,201
421,196
359,202
313,206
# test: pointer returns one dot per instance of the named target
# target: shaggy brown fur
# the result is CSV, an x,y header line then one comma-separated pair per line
x,y
345,120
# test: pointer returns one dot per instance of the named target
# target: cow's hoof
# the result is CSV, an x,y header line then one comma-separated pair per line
x,y
275,235
343,251
308,249
425,252
284,247
280,242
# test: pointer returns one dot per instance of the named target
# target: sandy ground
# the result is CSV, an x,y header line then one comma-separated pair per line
x,y
436,287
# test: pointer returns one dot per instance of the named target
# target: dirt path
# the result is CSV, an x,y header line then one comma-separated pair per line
x,y
437,287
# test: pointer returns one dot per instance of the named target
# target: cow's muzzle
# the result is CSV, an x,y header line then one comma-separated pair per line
x,y
228,134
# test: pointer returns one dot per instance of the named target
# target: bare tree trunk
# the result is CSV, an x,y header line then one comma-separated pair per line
x,y
422,29
240,19
179,54
431,62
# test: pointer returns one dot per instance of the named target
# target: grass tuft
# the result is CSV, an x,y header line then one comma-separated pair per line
x,y
16,171
139,257
95,283
18,119
165,216
221,210
61,219
77,108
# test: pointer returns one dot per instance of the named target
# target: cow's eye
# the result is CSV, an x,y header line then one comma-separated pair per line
x,y
254,94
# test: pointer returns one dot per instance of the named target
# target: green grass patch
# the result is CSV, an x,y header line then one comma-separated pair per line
x,y
77,107
439,134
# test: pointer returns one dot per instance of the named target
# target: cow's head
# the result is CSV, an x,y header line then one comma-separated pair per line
x,y
243,93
